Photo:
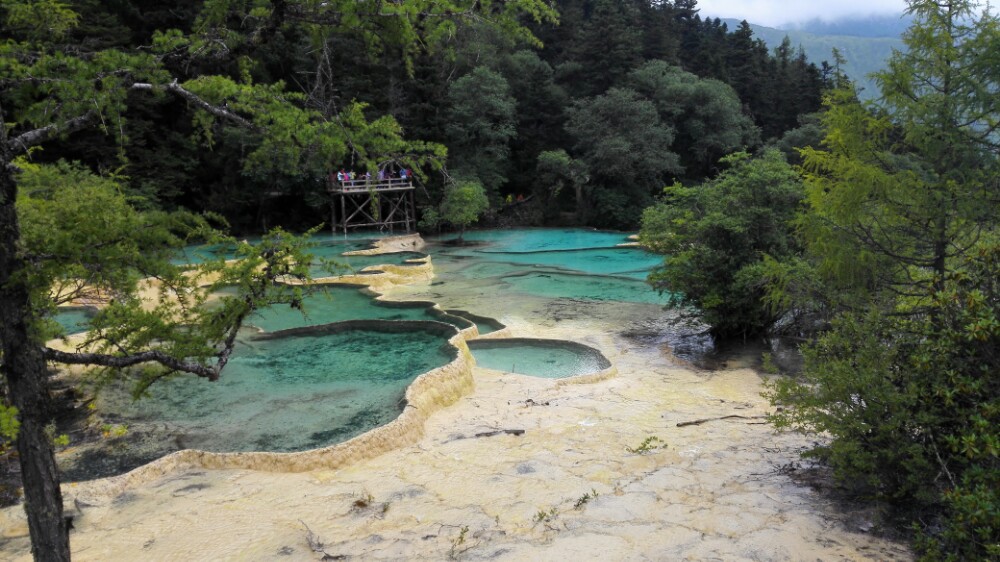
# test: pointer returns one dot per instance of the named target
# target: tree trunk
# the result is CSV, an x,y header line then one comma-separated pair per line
x,y
580,211
26,374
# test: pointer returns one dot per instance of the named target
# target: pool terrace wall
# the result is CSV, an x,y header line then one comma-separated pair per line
x,y
428,393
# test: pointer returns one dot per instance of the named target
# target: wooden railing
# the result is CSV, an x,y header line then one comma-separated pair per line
x,y
370,184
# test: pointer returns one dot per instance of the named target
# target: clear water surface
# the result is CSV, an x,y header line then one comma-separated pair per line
x,y
305,391
539,358
291,394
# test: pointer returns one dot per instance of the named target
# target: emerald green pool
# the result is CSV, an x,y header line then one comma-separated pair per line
x,y
315,380
554,359
74,320
338,303
292,393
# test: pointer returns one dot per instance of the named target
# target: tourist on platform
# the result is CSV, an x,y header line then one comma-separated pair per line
x,y
341,175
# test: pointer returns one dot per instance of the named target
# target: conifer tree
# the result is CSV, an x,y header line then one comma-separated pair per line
x,y
901,227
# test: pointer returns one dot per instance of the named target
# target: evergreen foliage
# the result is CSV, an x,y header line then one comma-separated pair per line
x,y
337,53
900,239
463,203
717,237
912,406
555,174
627,150
481,125
706,114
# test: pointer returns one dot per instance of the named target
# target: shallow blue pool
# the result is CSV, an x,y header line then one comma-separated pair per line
x,y
74,320
292,393
575,264
554,359
315,388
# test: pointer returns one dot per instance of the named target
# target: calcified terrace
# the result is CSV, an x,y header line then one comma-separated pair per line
x,y
502,466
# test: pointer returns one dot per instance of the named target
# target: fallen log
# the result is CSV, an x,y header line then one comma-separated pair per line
x,y
500,432
701,421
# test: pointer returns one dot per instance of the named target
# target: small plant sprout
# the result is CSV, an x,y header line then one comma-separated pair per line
x,y
57,440
648,445
546,516
457,542
584,499
113,431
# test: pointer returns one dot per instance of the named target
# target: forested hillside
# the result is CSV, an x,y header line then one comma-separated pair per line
x,y
783,203
132,127
593,117
862,55
888,25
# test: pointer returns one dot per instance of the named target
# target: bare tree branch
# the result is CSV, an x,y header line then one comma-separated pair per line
x,y
123,361
196,100
21,143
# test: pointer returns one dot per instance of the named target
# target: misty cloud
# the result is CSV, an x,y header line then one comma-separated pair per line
x,y
778,12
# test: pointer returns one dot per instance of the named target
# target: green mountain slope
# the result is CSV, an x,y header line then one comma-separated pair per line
x,y
864,54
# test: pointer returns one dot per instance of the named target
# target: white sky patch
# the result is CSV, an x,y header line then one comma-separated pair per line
x,y
774,13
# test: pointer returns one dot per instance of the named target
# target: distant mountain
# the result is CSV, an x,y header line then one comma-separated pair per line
x,y
864,54
870,26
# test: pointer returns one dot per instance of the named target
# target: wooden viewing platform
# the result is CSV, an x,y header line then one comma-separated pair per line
x,y
366,185
372,202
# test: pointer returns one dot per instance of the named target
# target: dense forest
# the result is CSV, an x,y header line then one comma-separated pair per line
x,y
593,117
880,249
782,202
863,55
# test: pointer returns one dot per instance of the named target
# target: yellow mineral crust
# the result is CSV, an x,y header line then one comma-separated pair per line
x,y
404,243
388,275
516,468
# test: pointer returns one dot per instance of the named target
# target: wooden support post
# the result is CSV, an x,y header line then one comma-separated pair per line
x,y
411,214
343,211
333,215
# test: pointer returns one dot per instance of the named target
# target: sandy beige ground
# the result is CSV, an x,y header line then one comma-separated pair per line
x,y
714,493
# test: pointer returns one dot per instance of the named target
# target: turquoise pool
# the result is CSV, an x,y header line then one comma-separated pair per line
x,y
74,319
557,263
338,303
291,393
315,384
553,359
